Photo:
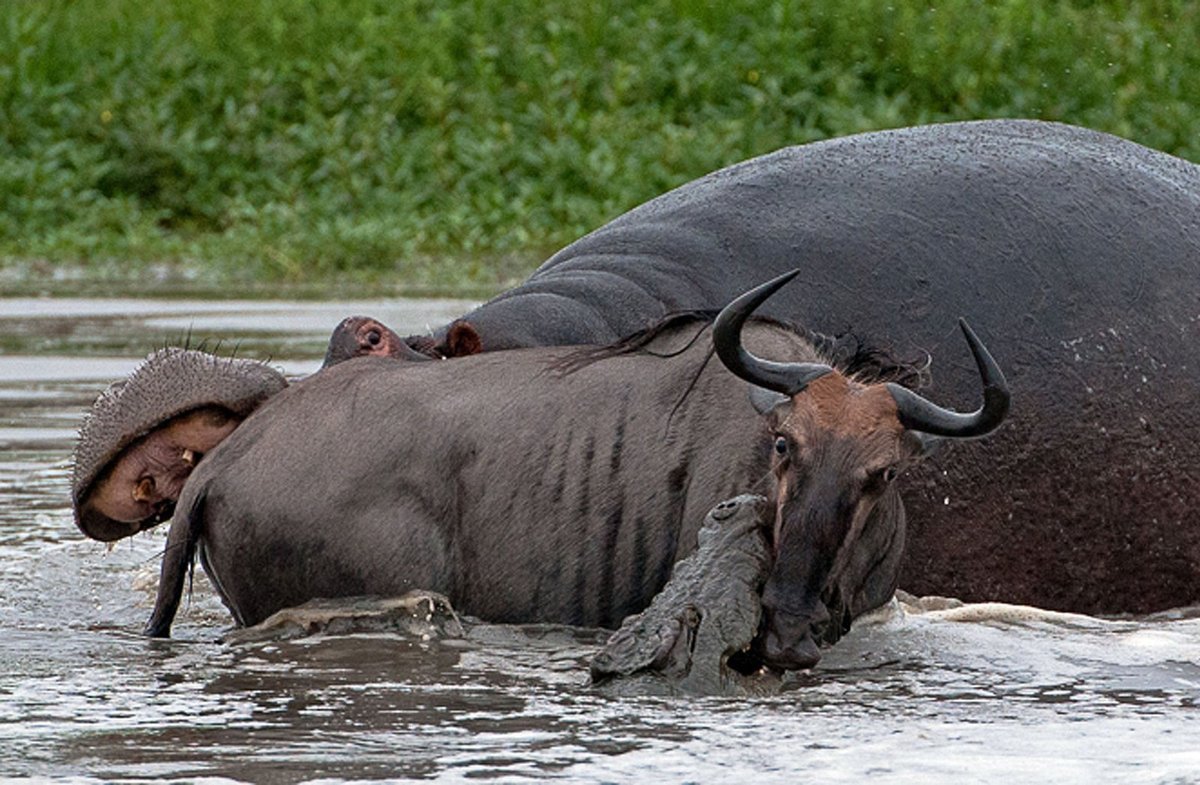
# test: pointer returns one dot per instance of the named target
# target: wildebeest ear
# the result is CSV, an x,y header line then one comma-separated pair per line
x,y
764,400
462,339
927,443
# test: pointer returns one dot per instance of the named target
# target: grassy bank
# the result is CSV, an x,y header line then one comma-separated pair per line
x,y
449,143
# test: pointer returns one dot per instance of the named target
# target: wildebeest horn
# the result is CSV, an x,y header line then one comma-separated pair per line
x,y
918,414
786,378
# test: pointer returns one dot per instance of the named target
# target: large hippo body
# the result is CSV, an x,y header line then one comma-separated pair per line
x,y
1076,253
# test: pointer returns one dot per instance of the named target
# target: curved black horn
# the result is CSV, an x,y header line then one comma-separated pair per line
x,y
918,414
786,378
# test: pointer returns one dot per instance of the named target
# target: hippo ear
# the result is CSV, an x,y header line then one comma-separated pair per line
x,y
764,401
462,339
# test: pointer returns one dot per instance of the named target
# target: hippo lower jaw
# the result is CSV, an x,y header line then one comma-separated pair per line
x,y
139,488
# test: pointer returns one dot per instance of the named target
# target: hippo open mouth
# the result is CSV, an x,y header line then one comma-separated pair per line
x,y
143,436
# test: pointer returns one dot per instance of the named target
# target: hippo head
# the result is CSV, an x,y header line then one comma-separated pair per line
x,y
838,445
361,335
144,435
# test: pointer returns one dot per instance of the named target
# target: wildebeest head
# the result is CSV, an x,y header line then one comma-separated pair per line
x,y
838,445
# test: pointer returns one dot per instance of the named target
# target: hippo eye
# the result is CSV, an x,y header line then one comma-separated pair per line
x,y
781,445
374,337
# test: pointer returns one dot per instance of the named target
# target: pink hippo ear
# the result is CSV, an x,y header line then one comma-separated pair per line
x,y
462,339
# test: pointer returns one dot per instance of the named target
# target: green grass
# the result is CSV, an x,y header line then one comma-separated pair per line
x,y
444,143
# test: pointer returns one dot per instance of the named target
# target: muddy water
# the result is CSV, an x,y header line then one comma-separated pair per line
x,y
986,696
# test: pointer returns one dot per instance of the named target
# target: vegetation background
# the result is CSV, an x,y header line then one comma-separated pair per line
x,y
451,145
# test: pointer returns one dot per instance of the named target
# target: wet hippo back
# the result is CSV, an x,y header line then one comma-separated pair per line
x,y
1075,254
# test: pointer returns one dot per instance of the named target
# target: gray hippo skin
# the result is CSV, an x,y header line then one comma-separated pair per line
x,y
546,485
144,435
707,613
1076,253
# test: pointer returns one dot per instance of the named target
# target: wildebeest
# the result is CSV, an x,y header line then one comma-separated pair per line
x,y
1077,253
529,494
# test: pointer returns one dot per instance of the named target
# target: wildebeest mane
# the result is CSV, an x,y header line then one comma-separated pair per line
x,y
848,353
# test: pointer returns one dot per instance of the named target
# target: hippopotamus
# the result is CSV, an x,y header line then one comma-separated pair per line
x,y
698,631
144,435
546,485
1076,252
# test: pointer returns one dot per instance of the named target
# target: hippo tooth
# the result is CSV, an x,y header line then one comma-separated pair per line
x,y
141,491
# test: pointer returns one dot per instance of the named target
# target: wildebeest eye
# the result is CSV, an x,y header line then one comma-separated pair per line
x,y
781,445
878,480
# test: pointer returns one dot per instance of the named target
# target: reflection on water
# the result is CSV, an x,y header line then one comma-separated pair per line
x,y
919,696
